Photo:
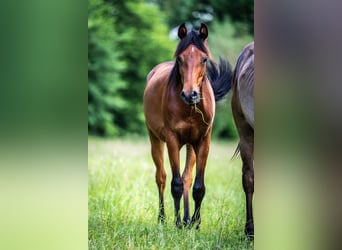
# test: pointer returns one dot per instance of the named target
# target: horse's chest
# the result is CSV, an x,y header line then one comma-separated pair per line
x,y
187,124
190,130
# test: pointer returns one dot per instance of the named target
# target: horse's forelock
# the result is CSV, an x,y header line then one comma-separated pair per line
x,y
191,38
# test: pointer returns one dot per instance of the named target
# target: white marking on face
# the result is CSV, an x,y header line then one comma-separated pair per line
x,y
192,49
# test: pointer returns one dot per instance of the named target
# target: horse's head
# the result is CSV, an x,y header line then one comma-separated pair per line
x,y
191,61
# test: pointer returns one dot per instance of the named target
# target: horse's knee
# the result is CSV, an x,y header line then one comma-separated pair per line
x,y
198,192
177,188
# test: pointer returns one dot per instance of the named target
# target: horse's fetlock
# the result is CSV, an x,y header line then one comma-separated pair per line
x,y
198,192
177,188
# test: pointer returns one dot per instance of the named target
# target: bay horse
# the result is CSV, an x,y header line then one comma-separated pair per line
x,y
179,109
242,104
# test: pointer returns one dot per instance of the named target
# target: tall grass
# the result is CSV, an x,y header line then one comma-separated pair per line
x,y
123,200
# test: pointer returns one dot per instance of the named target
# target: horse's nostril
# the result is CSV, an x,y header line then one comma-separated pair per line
x,y
194,94
191,98
183,95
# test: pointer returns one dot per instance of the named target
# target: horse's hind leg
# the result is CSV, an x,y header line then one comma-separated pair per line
x,y
187,181
157,150
246,150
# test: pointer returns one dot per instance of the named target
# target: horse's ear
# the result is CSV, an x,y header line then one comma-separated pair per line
x,y
182,31
203,32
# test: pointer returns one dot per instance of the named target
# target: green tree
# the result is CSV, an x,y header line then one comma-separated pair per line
x,y
143,42
241,12
104,82
125,40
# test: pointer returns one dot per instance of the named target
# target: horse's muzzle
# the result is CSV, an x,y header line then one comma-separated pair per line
x,y
191,99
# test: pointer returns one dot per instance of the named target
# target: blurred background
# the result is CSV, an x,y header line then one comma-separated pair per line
x,y
126,39
44,108
47,102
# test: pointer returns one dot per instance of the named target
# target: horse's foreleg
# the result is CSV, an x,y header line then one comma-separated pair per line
x,y
198,190
248,184
187,181
157,150
176,182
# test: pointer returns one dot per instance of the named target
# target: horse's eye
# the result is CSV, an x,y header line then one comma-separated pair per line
x,y
205,60
179,60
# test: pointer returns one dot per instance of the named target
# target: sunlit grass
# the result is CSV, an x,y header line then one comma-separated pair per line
x,y
123,200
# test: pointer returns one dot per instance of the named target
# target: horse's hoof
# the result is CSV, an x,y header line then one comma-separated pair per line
x,y
197,223
161,219
249,231
187,224
179,224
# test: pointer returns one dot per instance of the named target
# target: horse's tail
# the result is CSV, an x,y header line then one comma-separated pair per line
x,y
220,77
236,153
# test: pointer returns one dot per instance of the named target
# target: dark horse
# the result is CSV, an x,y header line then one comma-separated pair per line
x,y
179,107
243,112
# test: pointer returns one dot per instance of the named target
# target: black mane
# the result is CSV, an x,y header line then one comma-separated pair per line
x,y
220,77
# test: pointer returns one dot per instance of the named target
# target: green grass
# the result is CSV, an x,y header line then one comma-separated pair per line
x,y
123,200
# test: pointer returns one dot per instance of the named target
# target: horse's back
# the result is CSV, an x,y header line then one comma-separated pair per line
x,y
156,82
245,82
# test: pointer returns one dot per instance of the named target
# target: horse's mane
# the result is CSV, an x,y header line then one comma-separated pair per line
x,y
220,77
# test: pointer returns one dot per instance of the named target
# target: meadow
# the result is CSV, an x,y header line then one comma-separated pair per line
x,y
123,200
